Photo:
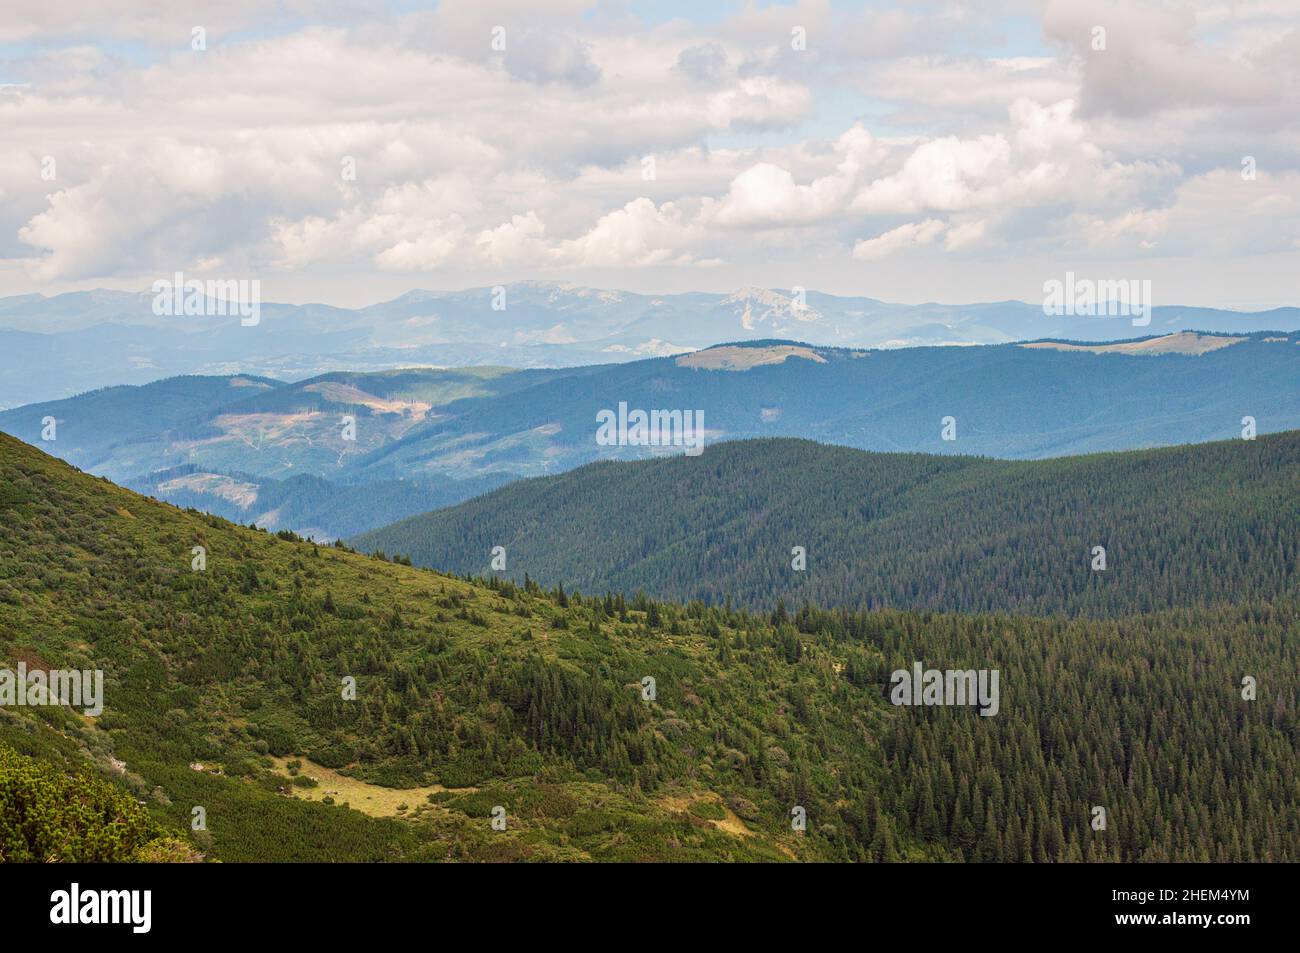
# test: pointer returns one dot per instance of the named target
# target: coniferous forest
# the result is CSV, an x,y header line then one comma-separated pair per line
x,y
1200,524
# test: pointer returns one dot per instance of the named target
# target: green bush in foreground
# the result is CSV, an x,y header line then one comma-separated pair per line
x,y
46,815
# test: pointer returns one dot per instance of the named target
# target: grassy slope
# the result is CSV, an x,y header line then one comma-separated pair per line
x,y
214,666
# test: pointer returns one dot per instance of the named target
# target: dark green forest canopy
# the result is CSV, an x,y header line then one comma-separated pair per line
x,y
1181,526
534,699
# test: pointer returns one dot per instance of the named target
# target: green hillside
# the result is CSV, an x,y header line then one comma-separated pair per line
x,y
1181,526
223,689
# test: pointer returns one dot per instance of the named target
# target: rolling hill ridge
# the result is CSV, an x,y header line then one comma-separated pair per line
x,y
393,444
1181,526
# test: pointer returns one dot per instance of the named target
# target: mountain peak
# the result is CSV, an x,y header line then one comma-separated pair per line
x,y
763,296
768,307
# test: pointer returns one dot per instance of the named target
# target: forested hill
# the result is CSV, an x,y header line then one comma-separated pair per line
x,y
1182,526
226,688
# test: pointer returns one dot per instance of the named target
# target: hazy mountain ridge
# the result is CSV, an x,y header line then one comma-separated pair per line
x,y
1007,401
255,449
432,437
72,342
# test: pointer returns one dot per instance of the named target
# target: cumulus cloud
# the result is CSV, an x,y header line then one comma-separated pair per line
x,y
911,235
704,63
320,137
518,241
550,56
767,195
133,209
1142,58
142,20
638,234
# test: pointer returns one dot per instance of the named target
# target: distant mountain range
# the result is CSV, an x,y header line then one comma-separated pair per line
x,y
52,347
1180,526
341,453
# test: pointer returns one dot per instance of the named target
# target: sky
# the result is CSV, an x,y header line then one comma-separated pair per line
x,y
347,151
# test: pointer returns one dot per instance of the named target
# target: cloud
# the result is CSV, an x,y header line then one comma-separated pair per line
x,y
636,235
432,247
904,237
946,174
175,200
965,235
549,56
320,138
766,194
1140,58
518,241
268,126
144,20
703,63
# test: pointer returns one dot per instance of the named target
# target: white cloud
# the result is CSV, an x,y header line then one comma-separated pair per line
x,y
636,235
965,235
919,127
1152,59
518,241
432,247
767,195
946,174
911,235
